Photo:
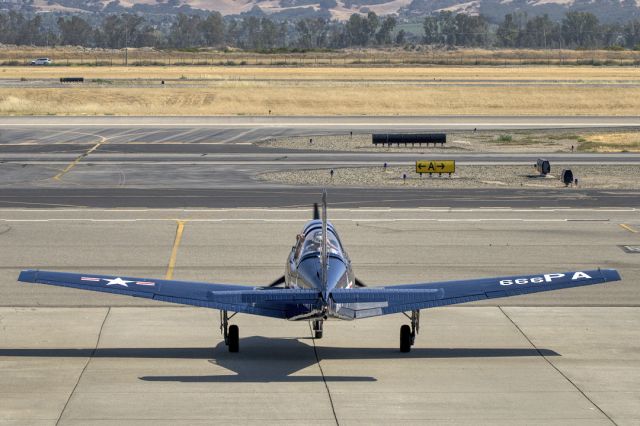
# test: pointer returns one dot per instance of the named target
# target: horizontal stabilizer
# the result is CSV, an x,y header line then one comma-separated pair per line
x,y
389,295
265,296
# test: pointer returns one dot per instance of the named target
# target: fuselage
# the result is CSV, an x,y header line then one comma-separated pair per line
x,y
304,267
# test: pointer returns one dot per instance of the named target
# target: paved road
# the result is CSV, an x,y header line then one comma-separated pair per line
x,y
290,196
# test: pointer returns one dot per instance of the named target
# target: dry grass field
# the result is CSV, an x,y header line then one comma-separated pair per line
x,y
609,75
610,142
69,55
249,99
529,90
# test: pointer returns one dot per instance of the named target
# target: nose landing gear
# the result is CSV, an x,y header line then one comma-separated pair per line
x,y
317,329
231,333
408,333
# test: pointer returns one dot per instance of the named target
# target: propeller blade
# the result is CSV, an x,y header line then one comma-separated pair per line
x,y
316,212
360,283
276,282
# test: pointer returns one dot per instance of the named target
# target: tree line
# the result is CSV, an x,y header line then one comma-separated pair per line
x,y
575,30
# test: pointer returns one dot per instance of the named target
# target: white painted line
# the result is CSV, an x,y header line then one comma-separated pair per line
x,y
337,209
377,125
370,220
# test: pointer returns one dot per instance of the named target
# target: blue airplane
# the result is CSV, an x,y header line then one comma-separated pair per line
x,y
319,284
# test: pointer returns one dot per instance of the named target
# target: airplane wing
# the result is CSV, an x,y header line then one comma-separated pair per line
x,y
277,303
367,302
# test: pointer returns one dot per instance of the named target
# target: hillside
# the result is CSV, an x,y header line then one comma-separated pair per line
x,y
606,10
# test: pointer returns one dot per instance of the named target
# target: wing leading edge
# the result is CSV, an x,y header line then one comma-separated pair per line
x,y
280,303
360,303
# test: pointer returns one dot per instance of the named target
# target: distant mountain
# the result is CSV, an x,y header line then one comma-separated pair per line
x,y
606,10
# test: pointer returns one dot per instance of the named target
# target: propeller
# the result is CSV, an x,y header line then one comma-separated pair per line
x,y
276,283
359,283
316,212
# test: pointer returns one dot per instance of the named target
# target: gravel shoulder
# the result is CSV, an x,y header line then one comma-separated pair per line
x,y
589,177
481,141
515,141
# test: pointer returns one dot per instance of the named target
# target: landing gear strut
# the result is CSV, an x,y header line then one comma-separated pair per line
x,y
231,333
317,329
408,333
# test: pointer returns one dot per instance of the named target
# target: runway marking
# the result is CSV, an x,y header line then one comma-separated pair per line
x,y
299,209
253,219
174,250
238,136
628,228
288,124
34,204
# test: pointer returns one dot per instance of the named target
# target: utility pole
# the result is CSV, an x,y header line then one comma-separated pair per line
x,y
126,42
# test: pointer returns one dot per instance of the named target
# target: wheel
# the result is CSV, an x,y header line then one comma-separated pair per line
x,y
405,338
317,328
234,338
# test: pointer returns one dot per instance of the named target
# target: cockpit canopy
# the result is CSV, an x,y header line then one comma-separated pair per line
x,y
311,245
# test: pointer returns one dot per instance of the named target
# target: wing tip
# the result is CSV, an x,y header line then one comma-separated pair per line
x,y
611,275
28,276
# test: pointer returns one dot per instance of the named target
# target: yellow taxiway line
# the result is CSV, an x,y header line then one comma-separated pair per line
x,y
629,228
174,250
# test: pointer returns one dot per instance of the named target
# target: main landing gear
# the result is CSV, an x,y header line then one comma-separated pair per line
x,y
408,333
231,333
317,329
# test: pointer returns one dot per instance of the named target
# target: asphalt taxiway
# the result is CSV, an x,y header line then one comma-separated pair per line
x,y
212,162
80,358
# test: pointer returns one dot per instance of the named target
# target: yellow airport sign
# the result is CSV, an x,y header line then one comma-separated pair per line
x,y
435,166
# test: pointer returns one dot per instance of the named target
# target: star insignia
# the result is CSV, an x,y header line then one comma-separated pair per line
x,y
117,281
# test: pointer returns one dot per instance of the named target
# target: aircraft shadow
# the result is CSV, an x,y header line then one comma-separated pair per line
x,y
273,359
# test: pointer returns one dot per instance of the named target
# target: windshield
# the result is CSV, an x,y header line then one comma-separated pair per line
x,y
313,243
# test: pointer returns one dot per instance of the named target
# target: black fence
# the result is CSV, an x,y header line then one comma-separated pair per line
x,y
71,79
388,139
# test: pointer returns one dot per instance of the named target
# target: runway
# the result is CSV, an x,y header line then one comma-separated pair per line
x,y
253,128
79,358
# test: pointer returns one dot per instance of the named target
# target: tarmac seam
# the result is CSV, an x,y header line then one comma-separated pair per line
x,y
556,368
324,380
93,352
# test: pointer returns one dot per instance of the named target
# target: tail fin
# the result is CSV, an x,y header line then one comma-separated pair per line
x,y
316,212
325,242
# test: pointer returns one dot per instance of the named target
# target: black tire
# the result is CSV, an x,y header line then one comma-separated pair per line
x,y
317,329
405,338
234,338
